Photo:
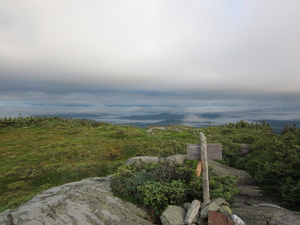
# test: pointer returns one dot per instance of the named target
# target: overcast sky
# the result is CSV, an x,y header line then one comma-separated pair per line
x,y
135,56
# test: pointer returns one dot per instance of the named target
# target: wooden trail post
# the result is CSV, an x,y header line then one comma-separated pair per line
x,y
203,152
205,180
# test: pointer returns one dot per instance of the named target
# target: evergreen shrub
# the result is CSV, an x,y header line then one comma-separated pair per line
x,y
157,185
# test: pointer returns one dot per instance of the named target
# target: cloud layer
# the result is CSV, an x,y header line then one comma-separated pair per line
x,y
153,45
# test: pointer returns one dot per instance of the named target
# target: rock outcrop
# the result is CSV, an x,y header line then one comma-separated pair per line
x,y
249,192
263,215
89,201
242,177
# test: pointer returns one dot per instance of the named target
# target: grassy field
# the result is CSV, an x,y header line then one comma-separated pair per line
x,y
41,154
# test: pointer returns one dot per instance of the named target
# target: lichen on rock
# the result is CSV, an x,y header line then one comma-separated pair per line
x,y
89,201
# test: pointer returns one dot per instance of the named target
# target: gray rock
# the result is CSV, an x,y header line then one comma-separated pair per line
x,y
249,195
269,205
250,190
186,206
142,159
220,201
89,201
192,212
237,220
150,130
226,210
156,128
176,159
253,215
211,207
222,170
173,215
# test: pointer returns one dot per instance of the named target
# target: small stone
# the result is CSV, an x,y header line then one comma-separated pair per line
x,y
192,212
221,201
216,218
186,206
201,221
203,205
173,215
226,210
237,220
211,207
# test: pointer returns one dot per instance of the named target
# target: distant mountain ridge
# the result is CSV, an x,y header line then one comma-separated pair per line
x,y
160,116
166,119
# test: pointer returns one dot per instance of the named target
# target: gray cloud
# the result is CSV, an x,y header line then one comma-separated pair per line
x,y
231,45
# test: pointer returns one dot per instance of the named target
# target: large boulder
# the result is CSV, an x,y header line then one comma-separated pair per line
x,y
263,215
89,201
242,177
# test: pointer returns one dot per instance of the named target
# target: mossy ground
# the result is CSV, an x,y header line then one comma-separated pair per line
x,y
37,154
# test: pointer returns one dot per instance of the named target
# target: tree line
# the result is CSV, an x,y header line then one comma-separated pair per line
x,y
46,121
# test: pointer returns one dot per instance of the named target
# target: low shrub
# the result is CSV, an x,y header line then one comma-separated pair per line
x,y
157,185
158,195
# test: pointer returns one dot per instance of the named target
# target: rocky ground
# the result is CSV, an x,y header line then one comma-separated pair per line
x,y
251,205
91,201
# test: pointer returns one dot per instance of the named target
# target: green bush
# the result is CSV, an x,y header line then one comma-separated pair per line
x,y
275,163
156,186
158,195
220,186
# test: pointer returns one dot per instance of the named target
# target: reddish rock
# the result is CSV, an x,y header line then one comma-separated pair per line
x,y
216,218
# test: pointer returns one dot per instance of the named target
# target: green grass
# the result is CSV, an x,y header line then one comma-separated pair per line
x,y
39,153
